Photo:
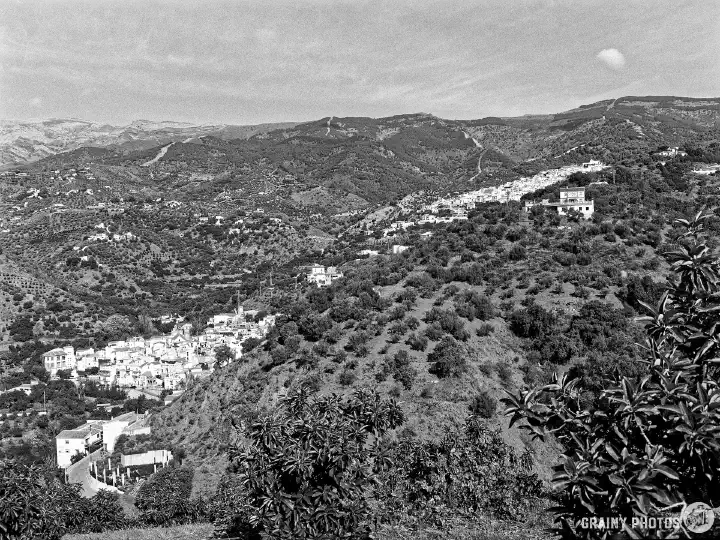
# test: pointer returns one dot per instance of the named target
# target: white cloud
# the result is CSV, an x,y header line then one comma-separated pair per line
x,y
613,58
36,102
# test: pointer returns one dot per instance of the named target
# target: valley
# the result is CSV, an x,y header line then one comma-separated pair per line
x,y
405,266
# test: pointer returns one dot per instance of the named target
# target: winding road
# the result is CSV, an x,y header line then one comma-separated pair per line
x,y
328,126
478,145
79,473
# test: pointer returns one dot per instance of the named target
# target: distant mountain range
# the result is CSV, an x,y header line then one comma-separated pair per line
x,y
26,142
662,118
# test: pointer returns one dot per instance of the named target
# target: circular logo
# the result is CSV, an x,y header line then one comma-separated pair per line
x,y
698,517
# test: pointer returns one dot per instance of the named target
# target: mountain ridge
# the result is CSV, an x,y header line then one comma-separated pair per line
x,y
26,142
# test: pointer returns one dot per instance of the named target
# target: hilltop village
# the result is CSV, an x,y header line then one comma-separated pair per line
x,y
161,362
456,207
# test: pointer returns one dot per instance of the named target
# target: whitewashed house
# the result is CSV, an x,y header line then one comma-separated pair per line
x,y
60,358
572,198
322,276
77,441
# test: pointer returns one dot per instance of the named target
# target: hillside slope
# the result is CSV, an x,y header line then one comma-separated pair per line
x,y
581,280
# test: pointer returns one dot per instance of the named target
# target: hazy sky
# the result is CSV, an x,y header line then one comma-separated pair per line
x,y
266,61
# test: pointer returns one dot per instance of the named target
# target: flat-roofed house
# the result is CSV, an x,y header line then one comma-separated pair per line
x,y
571,199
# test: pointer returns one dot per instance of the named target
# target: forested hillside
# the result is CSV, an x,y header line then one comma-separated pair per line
x,y
398,369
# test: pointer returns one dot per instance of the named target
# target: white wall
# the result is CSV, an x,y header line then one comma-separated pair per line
x,y
146,458
111,431
67,448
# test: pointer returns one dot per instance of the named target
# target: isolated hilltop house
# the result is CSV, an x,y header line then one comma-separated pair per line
x,y
571,198
672,152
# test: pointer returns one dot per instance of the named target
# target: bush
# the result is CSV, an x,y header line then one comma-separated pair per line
x,y
532,322
471,472
290,492
485,329
596,323
357,343
556,349
483,405
417,342
427,392
472,305
35,505
347,377
103,512
279,355
517,252
433,332
448,358
504,372
399,367
22,512
449,322
164,499
412,323
564,258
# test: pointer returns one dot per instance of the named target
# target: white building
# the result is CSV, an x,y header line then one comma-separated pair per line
x,y
672,152
128,423
323,276
60,358
369,252
572,198
26,388
86,362
77,441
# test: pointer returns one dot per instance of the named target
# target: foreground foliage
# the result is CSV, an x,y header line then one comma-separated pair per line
x,y
652,445
165,498
322,468
468,473
309,465
34,504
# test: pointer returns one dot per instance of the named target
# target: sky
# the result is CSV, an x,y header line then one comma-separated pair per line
x,y
235,62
